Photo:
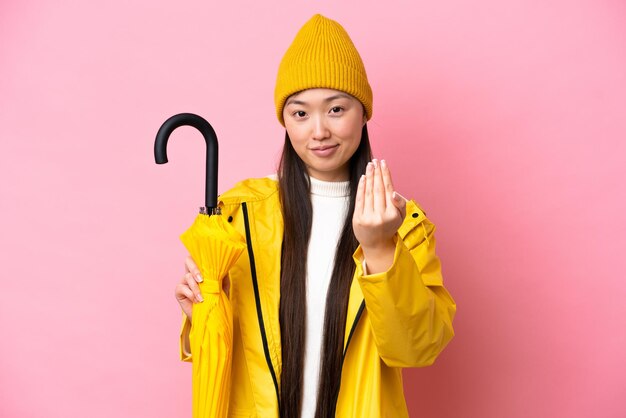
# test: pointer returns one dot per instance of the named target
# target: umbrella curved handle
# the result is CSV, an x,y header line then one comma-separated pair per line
x,y
190,119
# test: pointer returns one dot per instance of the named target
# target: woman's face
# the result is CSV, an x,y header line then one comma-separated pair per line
x,y
325,128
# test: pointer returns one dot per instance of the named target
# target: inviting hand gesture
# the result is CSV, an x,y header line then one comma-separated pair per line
x,y
378,213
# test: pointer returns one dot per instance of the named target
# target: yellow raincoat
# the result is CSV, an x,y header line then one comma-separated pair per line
x,y
399,318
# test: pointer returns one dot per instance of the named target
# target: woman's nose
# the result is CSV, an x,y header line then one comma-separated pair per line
x,y
320,130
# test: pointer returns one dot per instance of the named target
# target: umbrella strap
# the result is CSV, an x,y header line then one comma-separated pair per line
x,y
211,286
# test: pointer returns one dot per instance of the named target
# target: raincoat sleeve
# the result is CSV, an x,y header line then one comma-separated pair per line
x,y
185,347
409,309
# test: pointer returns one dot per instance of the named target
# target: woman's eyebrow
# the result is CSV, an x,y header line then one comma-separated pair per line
x,y
294,101
326,100
337,96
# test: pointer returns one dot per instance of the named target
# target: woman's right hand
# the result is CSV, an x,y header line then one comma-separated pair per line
x,y
187,291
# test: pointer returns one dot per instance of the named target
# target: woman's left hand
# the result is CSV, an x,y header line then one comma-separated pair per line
x,y
378,213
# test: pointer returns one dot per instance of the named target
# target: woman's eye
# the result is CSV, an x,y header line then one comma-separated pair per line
x,y
336,109
300,113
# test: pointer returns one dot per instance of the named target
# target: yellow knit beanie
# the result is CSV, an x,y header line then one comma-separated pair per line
x,y
322,55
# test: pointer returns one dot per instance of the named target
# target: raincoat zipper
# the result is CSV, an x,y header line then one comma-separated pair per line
x,y
354,324
257,298
352,329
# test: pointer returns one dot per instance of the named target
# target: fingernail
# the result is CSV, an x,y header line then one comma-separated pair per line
x,y
370,167
199,278
395,196
375,161
400,197
383,163
200,298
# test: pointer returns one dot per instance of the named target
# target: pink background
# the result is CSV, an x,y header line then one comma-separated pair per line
x,y
506,120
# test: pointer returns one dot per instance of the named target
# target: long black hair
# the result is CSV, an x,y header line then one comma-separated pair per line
x,y
297,213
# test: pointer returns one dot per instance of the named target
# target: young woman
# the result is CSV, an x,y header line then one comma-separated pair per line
x,y
340,287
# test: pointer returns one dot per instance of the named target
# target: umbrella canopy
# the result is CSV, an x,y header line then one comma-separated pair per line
x,y
215,246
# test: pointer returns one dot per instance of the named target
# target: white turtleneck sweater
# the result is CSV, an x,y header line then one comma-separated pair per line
x,y
330,201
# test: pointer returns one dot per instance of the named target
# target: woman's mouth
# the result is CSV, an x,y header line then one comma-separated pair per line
x,y
325,150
